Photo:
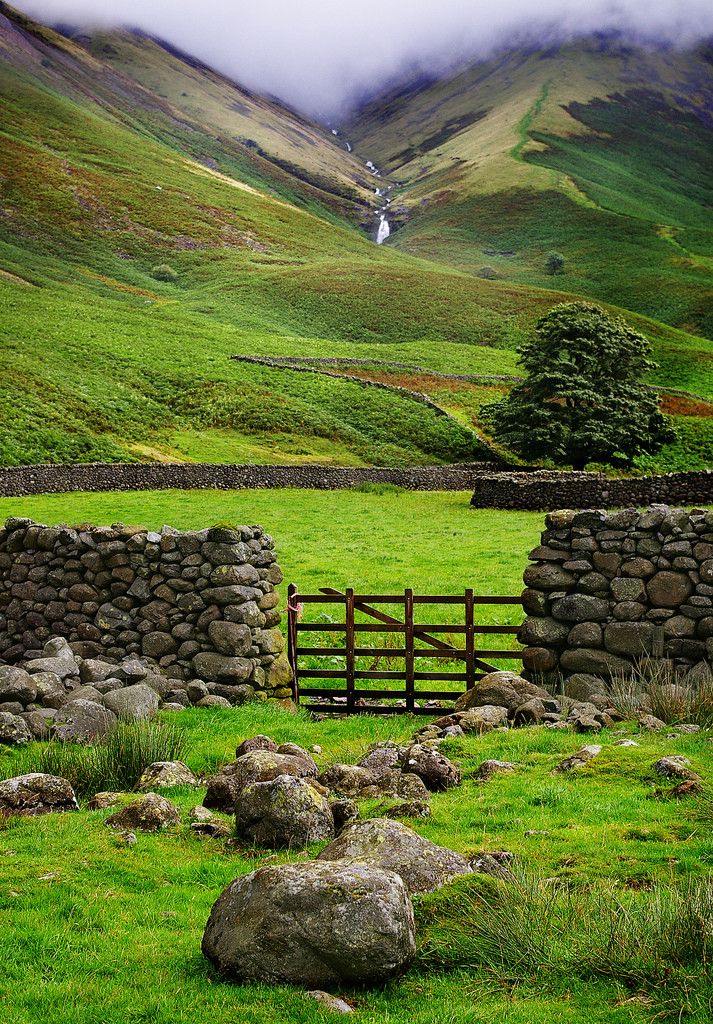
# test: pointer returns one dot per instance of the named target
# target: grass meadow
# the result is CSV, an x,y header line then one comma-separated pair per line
x,y
96,931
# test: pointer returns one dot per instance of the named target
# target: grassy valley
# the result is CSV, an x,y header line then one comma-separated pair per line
x,y
121,157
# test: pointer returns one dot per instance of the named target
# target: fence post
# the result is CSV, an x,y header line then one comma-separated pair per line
x,y
469,640
408,620
349,643
292,612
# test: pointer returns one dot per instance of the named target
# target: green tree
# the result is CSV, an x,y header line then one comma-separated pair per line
x,y
583,399
555,263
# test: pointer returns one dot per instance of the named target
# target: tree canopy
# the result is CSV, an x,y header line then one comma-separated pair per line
x,y
584,399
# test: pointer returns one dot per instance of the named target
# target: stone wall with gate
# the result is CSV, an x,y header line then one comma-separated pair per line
x,y
199,604
606,589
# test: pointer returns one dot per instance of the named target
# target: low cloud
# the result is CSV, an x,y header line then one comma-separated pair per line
x,y
320,54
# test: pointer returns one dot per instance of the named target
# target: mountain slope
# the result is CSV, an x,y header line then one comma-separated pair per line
x,y
594,149
102,183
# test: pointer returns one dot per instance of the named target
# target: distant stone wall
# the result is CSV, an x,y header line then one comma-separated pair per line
x,y
607,589
19,481
196,604
539,491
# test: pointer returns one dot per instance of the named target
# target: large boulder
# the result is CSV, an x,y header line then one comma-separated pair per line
x,y
151,813
392,846
285,812
134,703
315,924
500,689
165,775
433,768
83,721
14,731
36,794
255,766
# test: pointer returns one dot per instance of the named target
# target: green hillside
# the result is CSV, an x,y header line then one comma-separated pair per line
x,y
599,151
118,156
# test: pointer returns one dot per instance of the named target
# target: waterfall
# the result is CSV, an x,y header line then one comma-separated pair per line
x,y
384,230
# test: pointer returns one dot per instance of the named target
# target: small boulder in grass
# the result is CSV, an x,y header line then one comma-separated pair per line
x,y
316,925
489,768
433,768
36,793
649,723
335,1004
165,775
14,731
151,813
579,758
258,742
282,813
674,767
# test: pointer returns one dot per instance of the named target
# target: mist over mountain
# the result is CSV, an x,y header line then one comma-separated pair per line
x,y
321,56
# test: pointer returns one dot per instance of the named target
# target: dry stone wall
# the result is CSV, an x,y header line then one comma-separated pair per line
x,y
606,589
540,490
196,604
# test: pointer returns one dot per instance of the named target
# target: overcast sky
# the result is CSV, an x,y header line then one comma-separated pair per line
x,y
317,54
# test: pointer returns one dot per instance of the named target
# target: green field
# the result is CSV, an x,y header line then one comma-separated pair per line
x,y
110,933
433,542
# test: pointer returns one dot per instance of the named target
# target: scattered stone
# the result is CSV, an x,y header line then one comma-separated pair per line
x,y
627,743
151,813
489,768
14,731
334,1003
391,846
102,801
255,766
493,864
579,758
36,793
122,837
407,809
649,723
500,689
434,769
258,742
674,767
165,775
214,829
312,924
344,812
214,700
83,721
691,787
283,812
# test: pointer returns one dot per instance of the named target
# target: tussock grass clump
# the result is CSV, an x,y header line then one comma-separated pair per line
x,y
116,763
654,687
163,272
646,940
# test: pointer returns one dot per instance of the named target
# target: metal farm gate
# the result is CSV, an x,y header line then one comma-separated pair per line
x,y
419,641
